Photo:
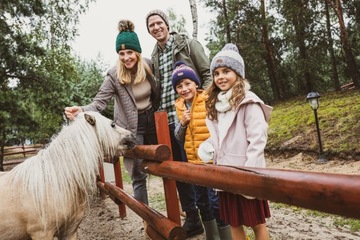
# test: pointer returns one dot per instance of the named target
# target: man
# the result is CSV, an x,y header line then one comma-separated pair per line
x,y
170,48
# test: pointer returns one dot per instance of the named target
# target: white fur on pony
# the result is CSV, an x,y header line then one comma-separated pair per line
x,y
64,174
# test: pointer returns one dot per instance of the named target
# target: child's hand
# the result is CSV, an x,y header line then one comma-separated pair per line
x,y
206,152
185,118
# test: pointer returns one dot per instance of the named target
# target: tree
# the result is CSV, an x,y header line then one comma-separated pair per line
x,y
270,59
349,56
35,64
292,47
177,23
194,17
331,48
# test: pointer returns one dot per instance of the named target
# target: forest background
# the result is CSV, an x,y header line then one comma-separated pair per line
x,y
290,48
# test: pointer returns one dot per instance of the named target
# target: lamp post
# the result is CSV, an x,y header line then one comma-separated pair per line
x,y
313,99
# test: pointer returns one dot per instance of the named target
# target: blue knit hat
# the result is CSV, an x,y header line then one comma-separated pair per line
x,y
182,71
230,57
127,38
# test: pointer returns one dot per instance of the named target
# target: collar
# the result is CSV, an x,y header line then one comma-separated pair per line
x,y
168,44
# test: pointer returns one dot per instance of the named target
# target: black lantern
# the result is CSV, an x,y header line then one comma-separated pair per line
x,y
313,99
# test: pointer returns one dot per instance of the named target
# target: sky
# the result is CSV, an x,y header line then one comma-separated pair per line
x,y
98,26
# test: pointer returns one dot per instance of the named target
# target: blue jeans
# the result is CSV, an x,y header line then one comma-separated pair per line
x,y
203,203
146,135
185,190
214,200
207,200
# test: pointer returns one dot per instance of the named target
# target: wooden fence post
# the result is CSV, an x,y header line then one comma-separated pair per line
x,y
119,183
163,136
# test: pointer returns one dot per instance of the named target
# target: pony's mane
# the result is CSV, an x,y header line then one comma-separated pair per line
x,y
63,174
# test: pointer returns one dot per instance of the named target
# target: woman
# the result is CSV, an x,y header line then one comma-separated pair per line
x,y
136,97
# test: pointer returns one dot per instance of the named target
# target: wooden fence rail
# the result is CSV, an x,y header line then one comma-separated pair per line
x,y
18,150
331,193
160,224
159,227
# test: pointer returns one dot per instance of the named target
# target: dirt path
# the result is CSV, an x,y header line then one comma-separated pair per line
x,y
103,223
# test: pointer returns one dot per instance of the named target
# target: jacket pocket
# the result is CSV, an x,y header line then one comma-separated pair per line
x,y
230,159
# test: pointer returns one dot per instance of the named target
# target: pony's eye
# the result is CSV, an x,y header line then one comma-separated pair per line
x,y
113,124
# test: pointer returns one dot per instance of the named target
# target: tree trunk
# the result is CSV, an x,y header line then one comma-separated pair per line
x,y
194,16
349,56
331,49
269,58
304,84
2,147
227,25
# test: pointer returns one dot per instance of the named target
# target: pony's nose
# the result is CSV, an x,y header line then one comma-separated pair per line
x,y
130,141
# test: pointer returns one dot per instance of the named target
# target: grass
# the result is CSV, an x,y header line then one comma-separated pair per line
x,y
292,125
125,176
156,200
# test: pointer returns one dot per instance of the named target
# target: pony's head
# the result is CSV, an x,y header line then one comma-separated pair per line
x,y
110,135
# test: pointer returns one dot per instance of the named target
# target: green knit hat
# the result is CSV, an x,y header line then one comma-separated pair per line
x,y
127,38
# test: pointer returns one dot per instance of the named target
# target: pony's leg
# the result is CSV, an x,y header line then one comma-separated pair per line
x,y
71,232
40,235
71,236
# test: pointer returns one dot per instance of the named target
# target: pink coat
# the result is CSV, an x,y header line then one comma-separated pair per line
x,y
245,135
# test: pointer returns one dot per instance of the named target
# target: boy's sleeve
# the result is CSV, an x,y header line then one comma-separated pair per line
x,y
179,130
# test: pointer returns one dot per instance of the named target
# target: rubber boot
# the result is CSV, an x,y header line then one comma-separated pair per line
x,y
193,225
211,230
225,233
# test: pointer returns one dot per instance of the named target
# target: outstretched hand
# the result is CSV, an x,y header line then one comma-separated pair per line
x,y
71,112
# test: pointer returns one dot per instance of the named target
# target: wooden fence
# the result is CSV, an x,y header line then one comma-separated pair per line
x,y
22,150
331,193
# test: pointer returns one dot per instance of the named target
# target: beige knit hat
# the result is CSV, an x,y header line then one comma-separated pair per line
x,y
159,13
230,57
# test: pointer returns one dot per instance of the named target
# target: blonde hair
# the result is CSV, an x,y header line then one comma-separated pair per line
x,y
142,68
240,86
124,74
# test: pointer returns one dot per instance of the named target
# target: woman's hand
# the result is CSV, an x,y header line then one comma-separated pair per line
x,y
71,112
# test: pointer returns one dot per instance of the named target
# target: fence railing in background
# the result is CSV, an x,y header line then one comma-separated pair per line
x,y
23,150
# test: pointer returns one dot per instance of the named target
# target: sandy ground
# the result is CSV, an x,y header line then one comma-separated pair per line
x,y
103,223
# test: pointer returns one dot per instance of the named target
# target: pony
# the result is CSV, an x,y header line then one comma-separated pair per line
x,y
46,196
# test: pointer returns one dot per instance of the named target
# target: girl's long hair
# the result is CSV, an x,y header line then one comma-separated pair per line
x,y
240,86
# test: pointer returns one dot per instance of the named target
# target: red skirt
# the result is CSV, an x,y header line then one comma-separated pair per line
x,y
237,210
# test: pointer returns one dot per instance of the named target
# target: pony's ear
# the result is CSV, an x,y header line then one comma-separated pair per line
x,y
90,119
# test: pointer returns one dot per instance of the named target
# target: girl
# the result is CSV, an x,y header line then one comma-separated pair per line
x,y
136,97
237,121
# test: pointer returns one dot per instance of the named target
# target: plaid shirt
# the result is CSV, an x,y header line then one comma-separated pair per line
x,y
168,95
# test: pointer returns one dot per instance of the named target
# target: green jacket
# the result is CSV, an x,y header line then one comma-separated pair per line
x,y
189,51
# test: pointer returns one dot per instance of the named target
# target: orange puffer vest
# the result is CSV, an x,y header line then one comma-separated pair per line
x,y
196,131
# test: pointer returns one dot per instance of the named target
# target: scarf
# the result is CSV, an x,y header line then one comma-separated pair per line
x,y
223,104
